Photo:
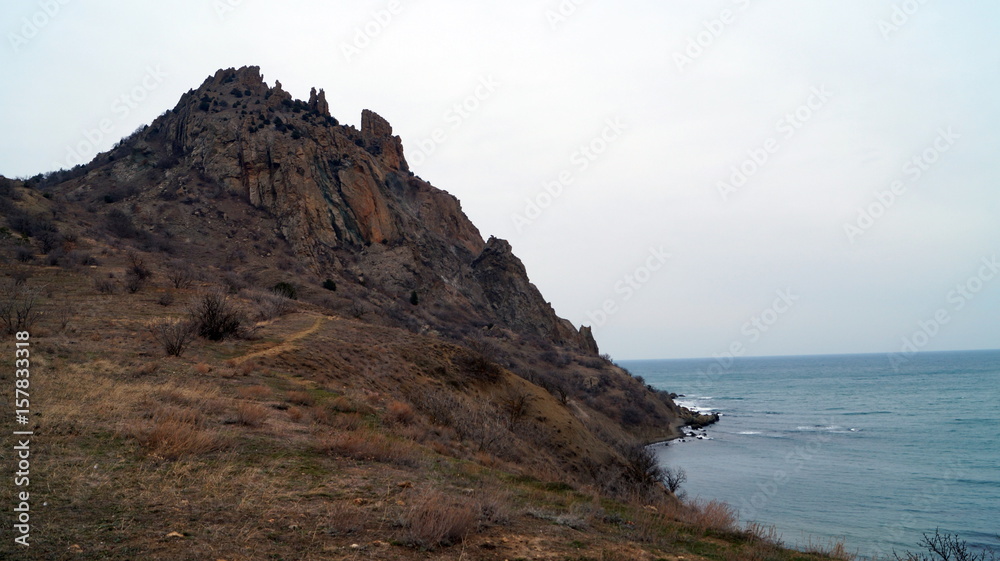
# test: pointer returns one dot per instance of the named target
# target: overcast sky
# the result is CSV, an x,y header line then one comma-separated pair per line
x,y
668,171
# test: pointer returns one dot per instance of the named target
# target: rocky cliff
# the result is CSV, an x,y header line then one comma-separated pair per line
x,y
344,199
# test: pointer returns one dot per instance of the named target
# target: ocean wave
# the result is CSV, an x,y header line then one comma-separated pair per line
x,y
826,428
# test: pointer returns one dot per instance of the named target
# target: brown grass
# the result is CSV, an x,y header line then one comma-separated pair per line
x,y
174,434
711,516
400,413
254,392
368,445
202,368
438,519
833,550
251,414
301,398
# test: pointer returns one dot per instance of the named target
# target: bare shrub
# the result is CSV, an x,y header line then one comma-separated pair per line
x,y
641,464
944,547
673,478
173,335
514,405
24,254
215,317
437,519
180,274
133,283
105,285
18,307
357,310
270,305
137,267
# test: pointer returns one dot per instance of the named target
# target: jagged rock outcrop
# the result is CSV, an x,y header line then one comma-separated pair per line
x,y
343,198
318,103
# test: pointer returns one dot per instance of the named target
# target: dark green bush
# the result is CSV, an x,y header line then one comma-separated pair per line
x,y
330,285
287,290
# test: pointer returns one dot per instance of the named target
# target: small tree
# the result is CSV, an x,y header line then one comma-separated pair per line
x,y
330,285
514,405
414,299
673,478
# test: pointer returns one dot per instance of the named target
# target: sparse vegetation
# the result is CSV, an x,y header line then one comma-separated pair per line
x,y
286,289
173,335
215,317
946,547
19,307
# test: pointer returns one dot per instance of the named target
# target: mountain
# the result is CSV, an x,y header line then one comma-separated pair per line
x,y
344,200
247,298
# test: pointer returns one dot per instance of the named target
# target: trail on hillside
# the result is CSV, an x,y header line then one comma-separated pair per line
x,y
286,345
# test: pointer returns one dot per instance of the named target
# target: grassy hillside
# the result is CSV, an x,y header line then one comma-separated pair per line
x,y
312,428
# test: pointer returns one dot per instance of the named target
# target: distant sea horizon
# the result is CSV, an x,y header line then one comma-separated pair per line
x,y
844,447
885,354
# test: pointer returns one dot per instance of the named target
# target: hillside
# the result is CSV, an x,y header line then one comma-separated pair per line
x,y
255,334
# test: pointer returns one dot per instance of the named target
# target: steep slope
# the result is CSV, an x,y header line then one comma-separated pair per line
x,y
344,200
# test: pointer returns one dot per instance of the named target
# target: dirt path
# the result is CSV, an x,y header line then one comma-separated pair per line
x,y
286,345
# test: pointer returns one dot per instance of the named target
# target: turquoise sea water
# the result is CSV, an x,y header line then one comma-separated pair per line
x,y
845,447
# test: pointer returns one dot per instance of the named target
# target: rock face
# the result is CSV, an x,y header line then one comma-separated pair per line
x,y
343,198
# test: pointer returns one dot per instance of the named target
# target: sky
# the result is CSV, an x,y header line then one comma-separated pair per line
x,y
691,178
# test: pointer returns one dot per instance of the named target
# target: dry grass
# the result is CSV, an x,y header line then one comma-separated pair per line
x,y
711,516
300,398
202,368
400,413
296,414
438,519
251,414
833,550
368,445
173,439
255,392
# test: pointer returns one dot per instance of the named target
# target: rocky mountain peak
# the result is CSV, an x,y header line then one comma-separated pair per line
x,y
344,199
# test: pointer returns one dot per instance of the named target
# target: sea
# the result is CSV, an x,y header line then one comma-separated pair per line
x,y
872,450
